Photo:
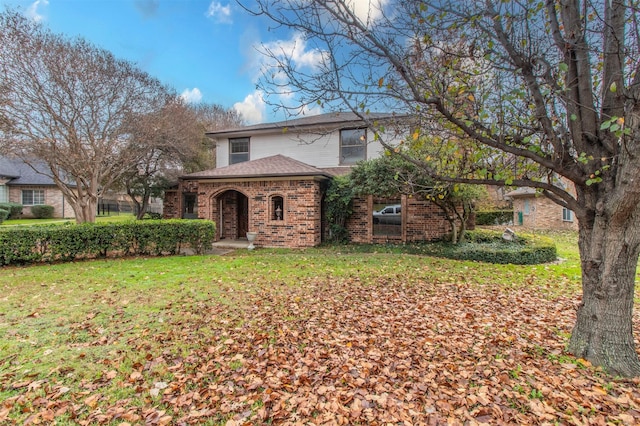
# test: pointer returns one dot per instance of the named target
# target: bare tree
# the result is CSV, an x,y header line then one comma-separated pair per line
x,y
170,141
560,97
210,117
65,102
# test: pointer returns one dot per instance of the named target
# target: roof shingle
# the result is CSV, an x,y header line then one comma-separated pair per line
x,y
274,166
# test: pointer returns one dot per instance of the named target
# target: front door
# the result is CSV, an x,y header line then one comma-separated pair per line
x,y
243,216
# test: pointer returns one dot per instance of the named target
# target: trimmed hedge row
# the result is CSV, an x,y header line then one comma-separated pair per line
x,y
488,246
4,214
32,244
494,217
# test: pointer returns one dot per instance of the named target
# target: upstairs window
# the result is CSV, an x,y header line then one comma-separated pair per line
x,y
238,150
353,145
32,197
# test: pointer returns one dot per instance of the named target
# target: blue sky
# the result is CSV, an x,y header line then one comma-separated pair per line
x,y
204,49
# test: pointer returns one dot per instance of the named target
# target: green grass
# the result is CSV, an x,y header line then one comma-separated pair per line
x,y
29,222
63,309
96,323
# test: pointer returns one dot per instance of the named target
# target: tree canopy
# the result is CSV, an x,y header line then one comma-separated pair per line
x,y
66,102
537,90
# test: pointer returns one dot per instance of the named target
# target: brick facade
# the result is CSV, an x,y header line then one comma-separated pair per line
x,y
302,223
539,212
421,221
52,197
535,211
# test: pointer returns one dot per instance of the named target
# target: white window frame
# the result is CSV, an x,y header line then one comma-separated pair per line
x,y
240,156
34,202
362,144
567,215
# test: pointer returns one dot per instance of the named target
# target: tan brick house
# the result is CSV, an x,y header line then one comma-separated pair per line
x,y
535,211
271,179
29,185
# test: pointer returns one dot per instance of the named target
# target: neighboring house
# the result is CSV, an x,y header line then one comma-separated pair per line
x,y
26,185
272,178
533,210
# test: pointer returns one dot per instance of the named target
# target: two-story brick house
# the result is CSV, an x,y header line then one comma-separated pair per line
x,y
271,179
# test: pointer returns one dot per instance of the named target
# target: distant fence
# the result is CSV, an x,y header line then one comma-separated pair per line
x,y
110,208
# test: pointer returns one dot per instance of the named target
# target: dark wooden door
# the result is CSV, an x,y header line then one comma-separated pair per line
x,y
243,216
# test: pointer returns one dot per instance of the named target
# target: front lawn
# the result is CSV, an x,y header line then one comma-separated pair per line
x,y
28,222
299,337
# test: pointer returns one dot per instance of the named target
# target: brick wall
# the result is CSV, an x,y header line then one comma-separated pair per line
x,y
302,213
421,219
301,220
543,214
52,197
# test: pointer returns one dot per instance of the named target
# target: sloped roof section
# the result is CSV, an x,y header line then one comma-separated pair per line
x,y
522,192
274,166
332,119
23,174
8,169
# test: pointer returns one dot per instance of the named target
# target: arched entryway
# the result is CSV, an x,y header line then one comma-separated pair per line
x,y
232,215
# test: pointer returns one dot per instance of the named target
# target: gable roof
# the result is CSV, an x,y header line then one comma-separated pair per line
x,y
331,120
274,166
23,174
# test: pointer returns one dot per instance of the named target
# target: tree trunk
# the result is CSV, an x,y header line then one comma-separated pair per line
x,y
85,209
603,333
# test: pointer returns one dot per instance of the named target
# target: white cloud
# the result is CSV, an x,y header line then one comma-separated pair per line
x,y
191,96
252,108
368,10
219,13
32,11
296,49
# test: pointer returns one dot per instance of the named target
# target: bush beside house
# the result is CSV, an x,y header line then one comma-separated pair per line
x,y
42,211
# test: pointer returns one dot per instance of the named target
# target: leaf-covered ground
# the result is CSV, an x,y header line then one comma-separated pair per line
x,y
401,348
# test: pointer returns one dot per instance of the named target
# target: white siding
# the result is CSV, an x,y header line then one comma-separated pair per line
x,y
315,150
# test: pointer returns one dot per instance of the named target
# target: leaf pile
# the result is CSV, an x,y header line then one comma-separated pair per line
x,y
388,350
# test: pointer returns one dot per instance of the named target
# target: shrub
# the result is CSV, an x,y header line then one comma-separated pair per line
x,y
42,211
488,246
152,215
4,214
494,217
15,209
68,242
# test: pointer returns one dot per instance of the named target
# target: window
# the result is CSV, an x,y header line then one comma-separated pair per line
x,y
567,215
4,193
238,150
387,218
353,145
190,206
527,207
32,197
277,208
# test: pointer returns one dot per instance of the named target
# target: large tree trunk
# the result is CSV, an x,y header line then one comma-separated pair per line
x,y
603,333
85,209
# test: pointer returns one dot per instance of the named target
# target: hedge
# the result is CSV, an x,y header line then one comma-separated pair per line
x,y
494,217
48,243
4,214
489,246
15,209
42,211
